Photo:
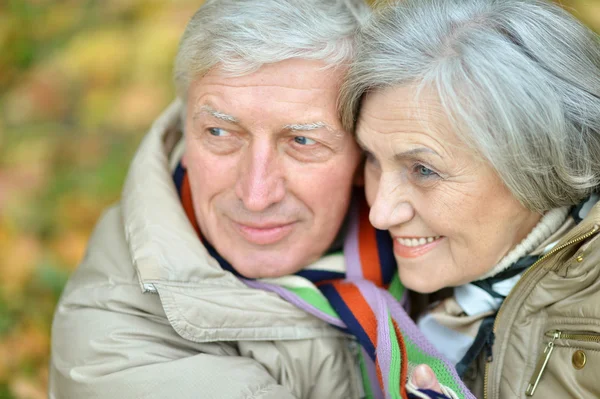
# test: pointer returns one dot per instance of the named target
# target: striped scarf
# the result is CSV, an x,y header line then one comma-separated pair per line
x,y
365,299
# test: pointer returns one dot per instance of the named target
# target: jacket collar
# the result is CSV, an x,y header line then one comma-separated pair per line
x,y
589,225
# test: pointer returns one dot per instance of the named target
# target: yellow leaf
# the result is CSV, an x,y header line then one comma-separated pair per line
x,y
97,58
24,388
19,257
70,247
138,106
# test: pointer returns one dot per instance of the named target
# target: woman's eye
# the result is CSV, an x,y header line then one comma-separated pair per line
x,y
218,132
424,171
304,140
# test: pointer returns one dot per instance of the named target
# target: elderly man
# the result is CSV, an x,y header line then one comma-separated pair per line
x,y
235,203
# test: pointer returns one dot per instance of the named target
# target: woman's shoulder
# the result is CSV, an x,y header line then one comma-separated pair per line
x,y
551,329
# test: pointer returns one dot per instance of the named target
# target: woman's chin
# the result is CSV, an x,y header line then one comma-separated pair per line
x,y
421,283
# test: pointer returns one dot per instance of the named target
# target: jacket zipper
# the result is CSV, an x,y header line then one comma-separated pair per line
x,y
533,267
587,337
545,357
541,365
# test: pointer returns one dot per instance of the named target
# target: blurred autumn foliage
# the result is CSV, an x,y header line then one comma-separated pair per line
x,y
80,83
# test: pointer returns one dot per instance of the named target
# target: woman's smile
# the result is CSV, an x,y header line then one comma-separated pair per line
x,y
414,247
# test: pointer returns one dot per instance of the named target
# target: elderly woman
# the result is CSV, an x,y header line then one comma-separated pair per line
x,y
480,120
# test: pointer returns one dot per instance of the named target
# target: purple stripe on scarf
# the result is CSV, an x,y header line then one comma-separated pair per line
x,y
372,373
375,299
295,300
410,329
351,253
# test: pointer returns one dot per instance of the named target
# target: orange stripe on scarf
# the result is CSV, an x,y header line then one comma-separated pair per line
x,y
369,255
404,364
362,312
188,204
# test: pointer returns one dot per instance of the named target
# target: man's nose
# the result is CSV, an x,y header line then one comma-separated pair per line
x,y
261,181
391,206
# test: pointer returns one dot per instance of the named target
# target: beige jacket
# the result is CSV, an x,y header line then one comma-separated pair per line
x,y
548,328
149,314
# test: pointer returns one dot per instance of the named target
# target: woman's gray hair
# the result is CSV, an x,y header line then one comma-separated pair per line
x,y
518,79
242,35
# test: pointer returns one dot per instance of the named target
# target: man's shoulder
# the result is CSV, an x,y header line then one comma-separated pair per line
x,y
107,260
104,287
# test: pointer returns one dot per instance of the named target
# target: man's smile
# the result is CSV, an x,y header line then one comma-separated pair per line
x,y
265,233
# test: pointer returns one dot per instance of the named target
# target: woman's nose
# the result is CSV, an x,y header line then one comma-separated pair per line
x,y
391,205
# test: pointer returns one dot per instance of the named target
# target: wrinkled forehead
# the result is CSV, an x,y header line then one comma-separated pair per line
x,y
403,106
302,93
295,73
404,115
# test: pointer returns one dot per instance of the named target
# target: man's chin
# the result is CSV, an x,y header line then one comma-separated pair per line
x,y
265,271
266,264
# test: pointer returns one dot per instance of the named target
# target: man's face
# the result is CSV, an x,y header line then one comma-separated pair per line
x,y
270,167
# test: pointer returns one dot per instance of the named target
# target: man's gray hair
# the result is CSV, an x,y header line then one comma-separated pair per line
x,y
242,35
518,79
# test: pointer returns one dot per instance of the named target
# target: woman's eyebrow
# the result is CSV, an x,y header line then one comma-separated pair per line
x,y
401,155
415,151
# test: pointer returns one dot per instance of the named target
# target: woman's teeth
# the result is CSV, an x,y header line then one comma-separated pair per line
x,y
415,242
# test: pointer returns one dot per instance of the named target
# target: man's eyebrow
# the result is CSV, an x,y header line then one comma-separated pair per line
x,y
217,114
304,127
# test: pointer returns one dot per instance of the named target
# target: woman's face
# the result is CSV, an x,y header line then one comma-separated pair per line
x,y
451,217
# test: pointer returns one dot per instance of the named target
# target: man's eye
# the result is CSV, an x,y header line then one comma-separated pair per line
x,y
304,140
218,132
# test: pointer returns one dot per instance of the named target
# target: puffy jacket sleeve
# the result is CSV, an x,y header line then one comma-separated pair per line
x,y
109,340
